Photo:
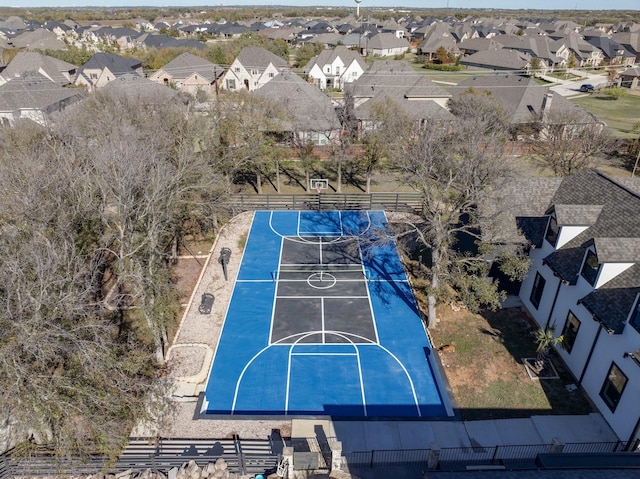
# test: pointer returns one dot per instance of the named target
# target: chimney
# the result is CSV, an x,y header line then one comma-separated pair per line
x,y
546,105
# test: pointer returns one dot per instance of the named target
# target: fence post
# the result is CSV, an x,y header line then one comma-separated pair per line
x,y
371,462
557,446
336,456
434,456
287,458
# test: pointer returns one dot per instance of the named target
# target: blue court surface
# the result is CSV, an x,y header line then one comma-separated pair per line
x,y
322,321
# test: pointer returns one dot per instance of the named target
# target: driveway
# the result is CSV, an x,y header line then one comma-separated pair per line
x,y
572,87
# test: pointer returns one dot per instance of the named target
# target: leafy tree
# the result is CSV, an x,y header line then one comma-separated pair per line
x,y
572,61
306,52
615,92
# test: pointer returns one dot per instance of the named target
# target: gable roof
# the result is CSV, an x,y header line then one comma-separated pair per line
x,y
34,91
328,56
115,63
41,39
187,63
141,89
259,58
381,41
50,67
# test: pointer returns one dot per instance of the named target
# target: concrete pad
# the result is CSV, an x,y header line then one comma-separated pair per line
x,y
416,435
303,428
450,434
351,433
482,433
381,435
586,428
515,432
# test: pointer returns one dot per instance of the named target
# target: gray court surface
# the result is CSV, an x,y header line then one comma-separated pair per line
x,y
321,293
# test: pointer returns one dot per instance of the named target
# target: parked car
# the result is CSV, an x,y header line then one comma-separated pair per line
x,y
587,88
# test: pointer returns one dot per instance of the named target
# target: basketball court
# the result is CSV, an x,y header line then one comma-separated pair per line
x,y
322,321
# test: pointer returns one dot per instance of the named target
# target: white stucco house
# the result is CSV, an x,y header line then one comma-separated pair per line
x,y
584,282
333,68
252,68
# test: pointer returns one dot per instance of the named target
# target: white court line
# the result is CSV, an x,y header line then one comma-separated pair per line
x,y
364,398
322,297
373,314
324,339
325,354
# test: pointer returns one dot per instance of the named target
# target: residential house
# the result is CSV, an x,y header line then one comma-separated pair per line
x,y
105,67
396,80
435,37
35,97
585,53
614,53
39,39
384,45
141,89
252,68
630,40
630,78
58,71
311,116
333,68
535,46
190,74
522,100
474,45
511,60
584,283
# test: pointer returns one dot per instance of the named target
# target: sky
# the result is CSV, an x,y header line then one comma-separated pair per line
x,y
466,4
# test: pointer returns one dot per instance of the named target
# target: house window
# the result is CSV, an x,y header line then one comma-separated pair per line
x,y
271,75
635,317
613,387
552,231
570,331
337,70
590,267
237,69
536,291
328,69
231,84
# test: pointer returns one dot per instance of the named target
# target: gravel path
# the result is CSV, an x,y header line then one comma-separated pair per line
x,y
189,357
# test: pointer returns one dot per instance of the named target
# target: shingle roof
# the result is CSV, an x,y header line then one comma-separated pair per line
x,y
50,67
614,234
498,59
520,97
259,58
308,107
115,63
396,75
527,198
187,63
34,91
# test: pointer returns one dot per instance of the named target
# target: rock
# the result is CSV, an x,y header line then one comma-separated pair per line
x,y
210,468
124,474
146,474
192,468
221,464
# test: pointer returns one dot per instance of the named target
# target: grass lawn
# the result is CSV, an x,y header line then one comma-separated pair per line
x,y
620,114
485,371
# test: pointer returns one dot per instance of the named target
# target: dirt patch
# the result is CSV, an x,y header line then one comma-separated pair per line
x,y
185,275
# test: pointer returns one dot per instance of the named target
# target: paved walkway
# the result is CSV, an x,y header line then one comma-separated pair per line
x,y
389,435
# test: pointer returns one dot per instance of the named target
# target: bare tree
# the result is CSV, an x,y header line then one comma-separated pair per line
x,y
569,141
455,166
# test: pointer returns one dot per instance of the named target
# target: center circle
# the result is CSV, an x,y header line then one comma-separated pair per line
x,y
321,280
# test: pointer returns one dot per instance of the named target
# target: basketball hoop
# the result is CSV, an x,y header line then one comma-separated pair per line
x,y
319,187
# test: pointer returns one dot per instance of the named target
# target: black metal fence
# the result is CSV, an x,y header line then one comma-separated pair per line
x,y
458,458
402,201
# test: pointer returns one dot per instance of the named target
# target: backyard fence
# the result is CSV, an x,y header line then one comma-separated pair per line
x,y
410,202
460,458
